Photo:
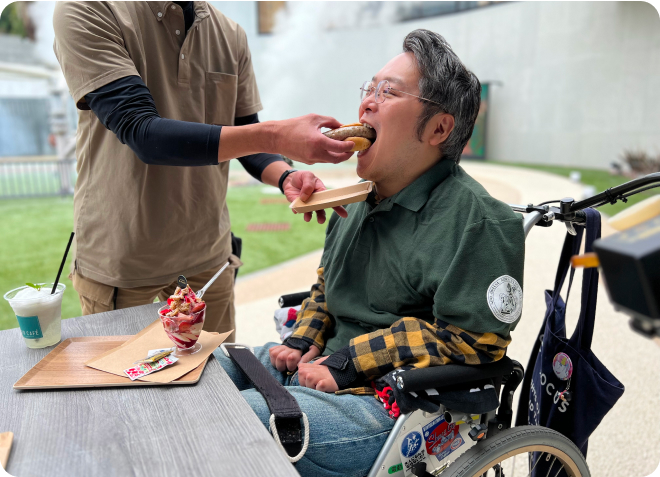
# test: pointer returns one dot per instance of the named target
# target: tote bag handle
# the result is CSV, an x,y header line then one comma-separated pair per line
x,y
571,247
585,328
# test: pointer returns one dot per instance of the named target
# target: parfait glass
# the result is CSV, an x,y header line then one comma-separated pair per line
x,y
183,330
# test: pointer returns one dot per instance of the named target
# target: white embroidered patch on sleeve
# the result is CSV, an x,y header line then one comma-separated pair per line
x,y
504,298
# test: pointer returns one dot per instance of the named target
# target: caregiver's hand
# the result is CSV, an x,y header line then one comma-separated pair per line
x,y
301,140
302,184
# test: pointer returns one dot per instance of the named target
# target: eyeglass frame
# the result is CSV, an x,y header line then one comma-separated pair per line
x,y
373,90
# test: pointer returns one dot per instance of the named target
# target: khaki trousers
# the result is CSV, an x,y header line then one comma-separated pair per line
x,y
96,297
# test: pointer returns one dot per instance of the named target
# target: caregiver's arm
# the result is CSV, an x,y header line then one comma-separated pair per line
x,y
126,107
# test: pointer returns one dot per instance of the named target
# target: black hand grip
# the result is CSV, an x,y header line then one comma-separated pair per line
x,y
616,191
294,299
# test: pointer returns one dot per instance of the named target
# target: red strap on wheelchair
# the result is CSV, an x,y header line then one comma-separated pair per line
x,y
385,396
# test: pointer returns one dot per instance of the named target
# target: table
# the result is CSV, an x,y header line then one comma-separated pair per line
x,y
201,429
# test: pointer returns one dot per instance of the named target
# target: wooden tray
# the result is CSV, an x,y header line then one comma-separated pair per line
x,y
333,198
64,367
6,439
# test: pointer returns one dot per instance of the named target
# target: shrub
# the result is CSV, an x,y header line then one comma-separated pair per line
x,y
640,162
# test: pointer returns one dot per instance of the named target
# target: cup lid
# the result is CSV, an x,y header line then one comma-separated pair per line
x,y
9,296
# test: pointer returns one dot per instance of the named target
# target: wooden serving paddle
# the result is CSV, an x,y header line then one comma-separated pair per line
x,y
6,439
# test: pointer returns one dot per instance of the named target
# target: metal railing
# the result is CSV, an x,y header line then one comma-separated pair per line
x,y
21,178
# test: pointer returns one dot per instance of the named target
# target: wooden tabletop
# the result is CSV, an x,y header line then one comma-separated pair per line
x,y
202,429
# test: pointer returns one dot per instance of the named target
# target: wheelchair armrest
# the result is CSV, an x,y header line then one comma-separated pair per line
x,y
294,299
450,375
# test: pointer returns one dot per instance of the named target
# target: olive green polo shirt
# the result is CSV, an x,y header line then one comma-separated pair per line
x,y
441,248
138,224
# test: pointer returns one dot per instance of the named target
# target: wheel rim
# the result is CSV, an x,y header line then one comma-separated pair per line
x,y
564,461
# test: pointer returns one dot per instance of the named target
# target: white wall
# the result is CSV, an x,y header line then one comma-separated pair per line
x,y
13,85
580,80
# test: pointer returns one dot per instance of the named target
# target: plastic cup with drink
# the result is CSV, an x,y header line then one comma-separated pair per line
x,y
39,313
38,309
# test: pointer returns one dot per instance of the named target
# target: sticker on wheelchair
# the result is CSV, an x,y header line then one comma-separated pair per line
x,y
413,450
442,438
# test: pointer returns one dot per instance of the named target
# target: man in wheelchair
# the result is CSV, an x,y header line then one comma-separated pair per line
x,y
427,271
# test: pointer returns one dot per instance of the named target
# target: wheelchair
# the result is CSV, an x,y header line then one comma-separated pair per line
x,y
457,442
454,441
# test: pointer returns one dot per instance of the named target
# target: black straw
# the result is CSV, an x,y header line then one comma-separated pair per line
x,y
66,252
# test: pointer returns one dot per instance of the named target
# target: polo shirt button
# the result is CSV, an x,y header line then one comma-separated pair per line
x,y
178,32
160,14
183,56
371,219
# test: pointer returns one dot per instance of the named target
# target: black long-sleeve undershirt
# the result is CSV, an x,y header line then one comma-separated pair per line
x,y
255,164
126,107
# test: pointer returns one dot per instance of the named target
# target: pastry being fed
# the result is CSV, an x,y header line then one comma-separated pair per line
x,y
362,135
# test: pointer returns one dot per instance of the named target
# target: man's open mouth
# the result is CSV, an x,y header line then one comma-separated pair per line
x,y
372,131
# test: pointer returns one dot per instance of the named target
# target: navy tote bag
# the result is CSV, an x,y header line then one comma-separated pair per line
x,y
566,388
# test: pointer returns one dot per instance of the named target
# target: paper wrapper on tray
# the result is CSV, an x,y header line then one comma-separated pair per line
x,y
153,336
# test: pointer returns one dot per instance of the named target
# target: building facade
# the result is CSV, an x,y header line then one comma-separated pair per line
x,y
571,83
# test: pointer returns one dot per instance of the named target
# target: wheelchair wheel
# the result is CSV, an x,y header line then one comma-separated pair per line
x,y
517,451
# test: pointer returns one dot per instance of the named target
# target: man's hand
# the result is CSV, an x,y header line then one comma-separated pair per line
x,y
301,140
302,184
282,357
315,376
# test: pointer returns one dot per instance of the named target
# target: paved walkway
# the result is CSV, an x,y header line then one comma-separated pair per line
x,y
628,440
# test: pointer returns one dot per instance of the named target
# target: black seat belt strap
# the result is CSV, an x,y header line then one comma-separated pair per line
x,y
285,412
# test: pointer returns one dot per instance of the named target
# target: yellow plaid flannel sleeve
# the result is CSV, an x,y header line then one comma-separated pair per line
x,y
313,319
419,344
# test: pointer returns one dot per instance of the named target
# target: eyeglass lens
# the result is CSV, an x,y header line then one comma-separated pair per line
x,y
365,90
382,88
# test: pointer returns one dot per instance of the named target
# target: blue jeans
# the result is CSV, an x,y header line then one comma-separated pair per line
x,y
345,432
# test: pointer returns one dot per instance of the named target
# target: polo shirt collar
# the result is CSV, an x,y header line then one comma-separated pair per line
x,y
201,9
415,195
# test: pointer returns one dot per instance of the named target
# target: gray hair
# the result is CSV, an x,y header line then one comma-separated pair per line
x,y
445,80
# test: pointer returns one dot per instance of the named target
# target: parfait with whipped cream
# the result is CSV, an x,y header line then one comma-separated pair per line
x,y
183,318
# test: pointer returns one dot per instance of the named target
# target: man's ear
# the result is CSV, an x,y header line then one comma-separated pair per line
x,y
439,128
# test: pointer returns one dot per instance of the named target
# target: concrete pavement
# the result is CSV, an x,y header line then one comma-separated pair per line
x,y
627,442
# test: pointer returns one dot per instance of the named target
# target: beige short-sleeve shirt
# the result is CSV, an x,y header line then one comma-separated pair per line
x,y
139,224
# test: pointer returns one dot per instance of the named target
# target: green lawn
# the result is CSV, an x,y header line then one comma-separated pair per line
x,y
598,178
265,249
36,231
34,235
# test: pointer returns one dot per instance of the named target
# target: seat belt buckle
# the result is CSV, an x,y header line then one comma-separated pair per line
x,y
223,347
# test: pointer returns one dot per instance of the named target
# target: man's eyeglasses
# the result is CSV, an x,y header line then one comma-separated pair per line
x,y
383,89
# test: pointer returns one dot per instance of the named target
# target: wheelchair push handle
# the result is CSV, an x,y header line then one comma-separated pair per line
x,y
571,212
620,192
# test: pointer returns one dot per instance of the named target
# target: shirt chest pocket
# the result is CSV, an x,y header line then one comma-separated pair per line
x,y
220,98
